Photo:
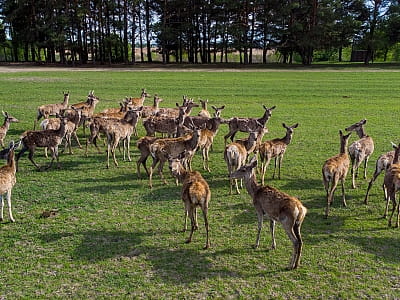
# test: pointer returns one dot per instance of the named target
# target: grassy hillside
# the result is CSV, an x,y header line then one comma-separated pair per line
x,y
113,236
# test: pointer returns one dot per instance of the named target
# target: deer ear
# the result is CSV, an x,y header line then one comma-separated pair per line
x,y
253,162
341,133
364,121
295,125
394,145
5,114
284,125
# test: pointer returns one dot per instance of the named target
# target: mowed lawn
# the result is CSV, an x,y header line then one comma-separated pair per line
x,y
111,236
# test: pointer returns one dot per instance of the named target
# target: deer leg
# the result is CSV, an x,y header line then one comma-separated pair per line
x,y
128,141
343,193
237,187
393,198
114,146
160,171
259,226
279,165
2,208
365,166
9,205
45,152
192,219
205,213
296,230
264,168
272,228
155,161
331,193
77,139
108,153
288,226
186,205
398,215
30,156
53,156
376,174
354,169
273,175
387,199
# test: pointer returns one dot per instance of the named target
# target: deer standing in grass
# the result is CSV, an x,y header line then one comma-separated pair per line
x,y
204,112
8,119
48,110
195,192
149,111
275,148
43,138
137,102
335,169
247,124
391,185
360,150
382,164
277,206
8,180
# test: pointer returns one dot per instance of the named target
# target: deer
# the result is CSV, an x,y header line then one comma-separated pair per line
x,y
8,179
143,144
74,118
247,124
122,130
277,206
165,124
335,169
174,111
195,192
43,138
360,150
160,148
48,110
204,112
149,111
8,119
275,148
382,164
391,185
87,108
138,102
235,156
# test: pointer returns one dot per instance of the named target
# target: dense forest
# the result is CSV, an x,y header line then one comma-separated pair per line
x,y
193,31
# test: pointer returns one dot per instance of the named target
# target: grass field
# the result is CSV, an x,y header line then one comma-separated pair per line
x,y
113,237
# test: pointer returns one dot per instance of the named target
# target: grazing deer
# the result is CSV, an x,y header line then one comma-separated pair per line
x,y
160,148
195,192
122,130
277,206
275,148
382,164
43,138
204,112
8,119
360,150
335,169
247,124
235,156
8,180
391,185
149,111
48,110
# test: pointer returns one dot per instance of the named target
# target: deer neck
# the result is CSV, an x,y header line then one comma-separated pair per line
x,y
343,147
181,174
11,160
396,156
251,184
6,123
250,142
194,141
360,132
65,102
263,120
287,138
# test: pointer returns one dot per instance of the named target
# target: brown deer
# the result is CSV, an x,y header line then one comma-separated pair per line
x,y
360,150
165,124
122,130
247,124
143,144
137,102
48,110
80,105
335,169
391,185
43,138
235,156
149,111
204,112
275,148
195,192
87,108
162,148
174,111
277,206
8,119
382,164
8,180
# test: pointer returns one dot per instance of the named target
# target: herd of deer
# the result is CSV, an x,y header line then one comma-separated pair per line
x,y
186,135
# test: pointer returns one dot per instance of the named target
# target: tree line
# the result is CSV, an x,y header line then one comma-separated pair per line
x,y
193,31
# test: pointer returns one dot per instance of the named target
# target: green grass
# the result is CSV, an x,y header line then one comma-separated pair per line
x,y
113,237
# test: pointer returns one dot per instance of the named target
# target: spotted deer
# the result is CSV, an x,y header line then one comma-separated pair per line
x,y
8,119
335,169
247,124
382,164
195,192
360,150
8,180
164,124
391,185
275,148
48,110
277,206
138,102
43,138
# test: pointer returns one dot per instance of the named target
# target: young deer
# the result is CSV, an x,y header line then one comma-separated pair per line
x,y
235,156
195,192
335,169
51,109
247,124
360,150
391,185
43,138
277,206
8,119
275,148
204,112
8,180
382,164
